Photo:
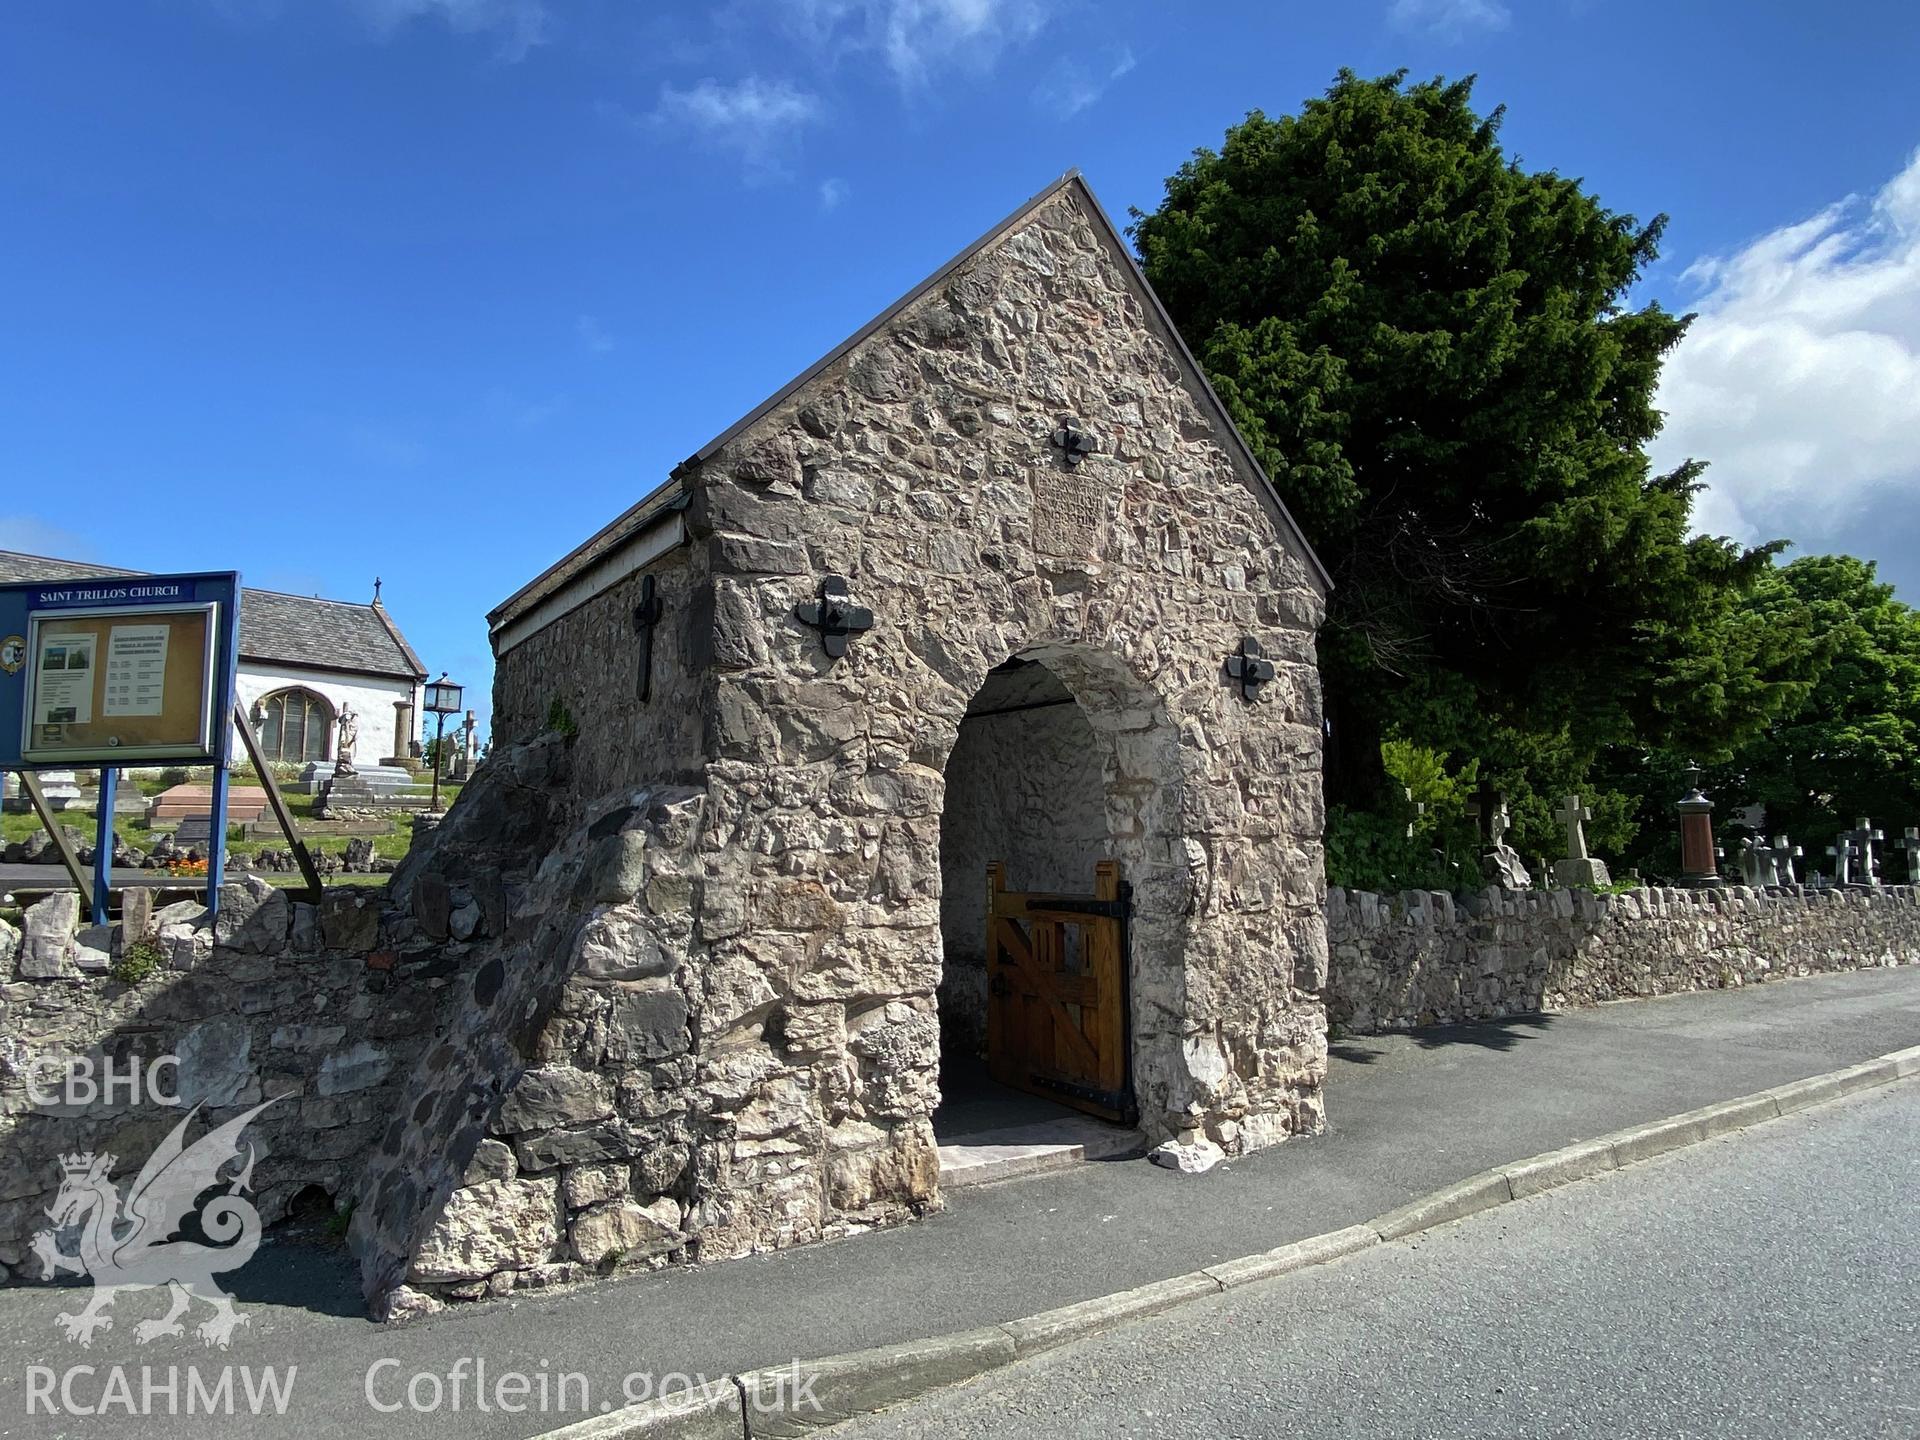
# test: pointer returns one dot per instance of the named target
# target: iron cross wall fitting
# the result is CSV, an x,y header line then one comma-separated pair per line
x,y
1073,443
834,616
1249,666
646,615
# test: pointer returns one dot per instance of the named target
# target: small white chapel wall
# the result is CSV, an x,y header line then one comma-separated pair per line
x,y
371,697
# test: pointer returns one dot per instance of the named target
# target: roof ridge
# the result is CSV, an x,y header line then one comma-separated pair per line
x,y
63,560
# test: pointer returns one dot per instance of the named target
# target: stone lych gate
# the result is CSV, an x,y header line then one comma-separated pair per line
x,y
995,581
684,970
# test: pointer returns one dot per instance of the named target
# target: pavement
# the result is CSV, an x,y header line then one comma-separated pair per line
x,y
1756,1287
1408,1115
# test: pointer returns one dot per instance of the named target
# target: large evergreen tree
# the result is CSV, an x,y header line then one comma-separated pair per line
x,y
1851,747
1429,348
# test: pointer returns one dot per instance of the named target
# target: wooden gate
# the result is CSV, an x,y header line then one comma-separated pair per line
x,y
1057,993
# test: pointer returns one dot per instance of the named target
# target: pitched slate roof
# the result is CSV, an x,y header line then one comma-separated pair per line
x,y
278,629
657,501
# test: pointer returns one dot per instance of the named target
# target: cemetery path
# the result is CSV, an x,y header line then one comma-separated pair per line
x,y
1408,1114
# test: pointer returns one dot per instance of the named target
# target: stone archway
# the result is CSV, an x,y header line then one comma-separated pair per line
x,y
1063,760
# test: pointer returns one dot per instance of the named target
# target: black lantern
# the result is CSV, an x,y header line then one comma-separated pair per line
x,y
443,699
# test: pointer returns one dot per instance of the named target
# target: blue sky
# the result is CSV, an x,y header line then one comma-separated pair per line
x,y
431,289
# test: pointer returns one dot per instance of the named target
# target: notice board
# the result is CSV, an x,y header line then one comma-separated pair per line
x,y
145,678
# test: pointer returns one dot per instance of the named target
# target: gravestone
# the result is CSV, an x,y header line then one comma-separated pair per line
x,y
1579,870
1844,855
194,830
1501,864
62,789
1866,860
1755,862
1780,857
1909,843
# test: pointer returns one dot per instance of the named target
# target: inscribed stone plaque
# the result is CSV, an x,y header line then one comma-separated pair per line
x,y
1068,507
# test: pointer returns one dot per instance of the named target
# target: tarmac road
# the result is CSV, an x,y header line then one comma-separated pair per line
x,y
1762,1285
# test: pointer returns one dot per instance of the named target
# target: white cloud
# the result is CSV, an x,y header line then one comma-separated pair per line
x,y
1800,381
1449,18
516,25
1071,86
916,37
758,118
832,191
592,334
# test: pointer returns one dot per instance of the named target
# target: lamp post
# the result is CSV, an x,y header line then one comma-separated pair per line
x,y
443,699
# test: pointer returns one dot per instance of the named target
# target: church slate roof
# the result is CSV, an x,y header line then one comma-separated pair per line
x,y
276,629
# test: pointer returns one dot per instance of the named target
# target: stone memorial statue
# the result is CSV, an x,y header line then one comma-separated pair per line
x,y
1501,864
349,731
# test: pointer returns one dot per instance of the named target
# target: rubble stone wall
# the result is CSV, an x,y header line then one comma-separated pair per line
x,y
1423,958
272,1003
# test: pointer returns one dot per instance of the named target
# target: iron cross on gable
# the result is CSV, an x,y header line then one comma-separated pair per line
x,y
646,615
834,616
1249,666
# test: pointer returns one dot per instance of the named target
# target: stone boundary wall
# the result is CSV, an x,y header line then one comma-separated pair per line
x,y
1425,958
275,1002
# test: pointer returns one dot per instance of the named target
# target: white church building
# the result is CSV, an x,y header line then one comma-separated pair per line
x,y
303,660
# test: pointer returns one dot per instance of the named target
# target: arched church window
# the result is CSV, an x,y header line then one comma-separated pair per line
x,y
294,725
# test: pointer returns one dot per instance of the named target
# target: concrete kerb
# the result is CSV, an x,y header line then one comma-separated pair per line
x,y
805,1396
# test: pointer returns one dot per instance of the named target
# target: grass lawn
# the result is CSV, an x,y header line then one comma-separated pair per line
x,y
392,844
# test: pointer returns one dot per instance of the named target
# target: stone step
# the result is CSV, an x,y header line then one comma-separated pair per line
x,y
983,1164
1018,1150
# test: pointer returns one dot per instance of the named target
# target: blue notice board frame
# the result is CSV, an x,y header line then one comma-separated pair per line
x,y
22,604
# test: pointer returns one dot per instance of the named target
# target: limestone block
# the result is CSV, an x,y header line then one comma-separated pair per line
x,y
1192,1153
625,1230
350,920
495,1225
93,948
216,1064
492,1160
9,947
356,1068
648,1022
585,1185
553,1097
46,945
254,917
624,943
